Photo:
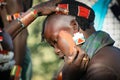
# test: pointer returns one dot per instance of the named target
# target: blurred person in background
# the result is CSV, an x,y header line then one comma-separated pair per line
x,y
10,28
22,55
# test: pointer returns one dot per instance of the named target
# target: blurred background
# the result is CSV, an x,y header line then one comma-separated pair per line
x,y
45,62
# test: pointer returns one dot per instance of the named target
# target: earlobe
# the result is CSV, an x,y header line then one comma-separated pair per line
x,y
74,25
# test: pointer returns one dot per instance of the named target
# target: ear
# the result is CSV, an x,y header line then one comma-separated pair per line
x,y
74,25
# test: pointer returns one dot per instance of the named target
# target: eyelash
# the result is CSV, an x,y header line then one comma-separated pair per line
x,y
53,43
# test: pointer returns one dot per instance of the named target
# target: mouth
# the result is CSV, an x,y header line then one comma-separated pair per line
x,y
61,56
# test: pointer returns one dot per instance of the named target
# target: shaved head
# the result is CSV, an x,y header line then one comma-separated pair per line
x,y
63,19
59,21
58,31
54,23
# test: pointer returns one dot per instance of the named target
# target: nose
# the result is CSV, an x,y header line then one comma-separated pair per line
x,y
57,51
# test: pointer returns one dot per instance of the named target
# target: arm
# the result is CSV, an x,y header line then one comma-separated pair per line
x,y
16,26
19,41
30,15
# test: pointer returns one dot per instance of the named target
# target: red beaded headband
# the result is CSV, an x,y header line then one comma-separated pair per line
x,y
82,11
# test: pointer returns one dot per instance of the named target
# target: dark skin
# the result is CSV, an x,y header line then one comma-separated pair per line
x,y
44,8
104,65
20,39
11,28
14,26
65,48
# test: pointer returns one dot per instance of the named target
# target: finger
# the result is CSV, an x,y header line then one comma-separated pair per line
x,y
84,63
61,10
76,56
79,56
72,58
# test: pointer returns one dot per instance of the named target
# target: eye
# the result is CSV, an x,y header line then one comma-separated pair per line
x,y
53,43
50,43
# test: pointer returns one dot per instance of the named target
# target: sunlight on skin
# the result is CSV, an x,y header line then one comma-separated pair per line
x,y
70,51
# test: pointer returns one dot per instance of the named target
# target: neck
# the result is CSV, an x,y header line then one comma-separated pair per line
x,y
88,32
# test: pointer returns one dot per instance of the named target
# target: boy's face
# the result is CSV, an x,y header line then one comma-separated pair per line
x,y
60,38
62,43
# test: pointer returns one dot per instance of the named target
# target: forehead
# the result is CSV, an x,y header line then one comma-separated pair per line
x,y
54,24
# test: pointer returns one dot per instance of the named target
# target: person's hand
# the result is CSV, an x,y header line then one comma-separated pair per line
x,y
48,7
75,67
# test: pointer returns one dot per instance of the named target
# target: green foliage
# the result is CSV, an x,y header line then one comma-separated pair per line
x,y
45,62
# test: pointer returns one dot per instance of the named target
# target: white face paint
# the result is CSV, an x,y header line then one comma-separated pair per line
x,y
78,38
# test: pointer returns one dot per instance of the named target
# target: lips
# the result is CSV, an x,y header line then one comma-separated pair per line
x,y
61,56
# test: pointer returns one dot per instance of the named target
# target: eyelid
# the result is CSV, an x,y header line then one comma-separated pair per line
x,y
51,45
55,41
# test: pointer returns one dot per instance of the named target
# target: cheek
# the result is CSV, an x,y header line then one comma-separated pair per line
x,y
64,46
66,43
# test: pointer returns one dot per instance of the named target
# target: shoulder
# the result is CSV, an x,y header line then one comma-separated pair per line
x,y
99,71
107,55
104,65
